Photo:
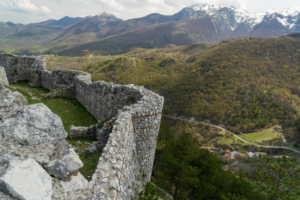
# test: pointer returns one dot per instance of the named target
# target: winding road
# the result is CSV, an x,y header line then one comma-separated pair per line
x,y
269,147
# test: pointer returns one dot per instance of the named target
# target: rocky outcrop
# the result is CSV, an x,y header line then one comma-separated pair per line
x,y
11,103
36,125
24,179
33,138
3,77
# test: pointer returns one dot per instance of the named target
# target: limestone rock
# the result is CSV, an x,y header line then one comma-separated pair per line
x,y
74,182
11,103
67,164
41,153
3,77
74,187
4,196
24,179
35,126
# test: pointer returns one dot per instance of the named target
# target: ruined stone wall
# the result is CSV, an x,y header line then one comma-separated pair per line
x,y
23,68
118,174
102,99
46,79
127,159
83,132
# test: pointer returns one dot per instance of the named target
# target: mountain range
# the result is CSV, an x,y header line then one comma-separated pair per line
x,y
203,23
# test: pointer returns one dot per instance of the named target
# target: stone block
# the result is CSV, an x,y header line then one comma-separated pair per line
x,y
67,164
82,132
3,77
24,179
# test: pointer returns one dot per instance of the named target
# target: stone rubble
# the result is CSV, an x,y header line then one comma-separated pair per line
x,y
31,138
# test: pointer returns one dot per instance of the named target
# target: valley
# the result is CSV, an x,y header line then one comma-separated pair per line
x,y
245,84
203,103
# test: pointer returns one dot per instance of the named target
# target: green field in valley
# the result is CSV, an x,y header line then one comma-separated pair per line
x,y
260,136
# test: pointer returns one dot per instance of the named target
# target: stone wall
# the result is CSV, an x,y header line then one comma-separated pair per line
x,y
118,174
127,159
20,68
83,132
46,79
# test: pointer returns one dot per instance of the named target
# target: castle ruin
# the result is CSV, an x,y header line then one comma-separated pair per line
x,y
128,153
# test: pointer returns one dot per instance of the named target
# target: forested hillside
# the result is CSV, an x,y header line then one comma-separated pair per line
x,y
245,84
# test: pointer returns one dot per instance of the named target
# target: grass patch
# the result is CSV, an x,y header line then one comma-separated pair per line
x,y
225,140
266,134
90,164
231,140
71,113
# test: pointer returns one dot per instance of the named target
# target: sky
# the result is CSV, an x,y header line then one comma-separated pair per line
x,y
32,11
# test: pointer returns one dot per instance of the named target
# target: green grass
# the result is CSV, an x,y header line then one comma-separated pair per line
x,y
71,113
9,50
225,140
231,140
90,164
260,136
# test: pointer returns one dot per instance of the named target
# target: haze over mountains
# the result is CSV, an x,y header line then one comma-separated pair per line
x,y
107,34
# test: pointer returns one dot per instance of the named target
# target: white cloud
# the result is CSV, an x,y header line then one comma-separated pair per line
x,y
45,10
2,3
23,6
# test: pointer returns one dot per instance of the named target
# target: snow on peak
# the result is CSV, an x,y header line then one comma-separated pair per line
x,y
291,11
206,7
285,17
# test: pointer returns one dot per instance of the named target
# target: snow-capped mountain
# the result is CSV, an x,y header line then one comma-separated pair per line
x,y
231,17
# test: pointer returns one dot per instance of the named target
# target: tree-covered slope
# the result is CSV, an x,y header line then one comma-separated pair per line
x,y
245,84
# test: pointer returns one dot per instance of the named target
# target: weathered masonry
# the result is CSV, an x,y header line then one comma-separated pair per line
x,y
127,159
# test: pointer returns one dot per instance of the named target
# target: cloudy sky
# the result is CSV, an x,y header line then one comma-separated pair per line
x,y
30,11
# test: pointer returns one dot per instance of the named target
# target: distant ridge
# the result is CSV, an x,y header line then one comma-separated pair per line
x,y
197,23
65,21
92,24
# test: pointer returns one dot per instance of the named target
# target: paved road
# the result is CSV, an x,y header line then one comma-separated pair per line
x,y
269,147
